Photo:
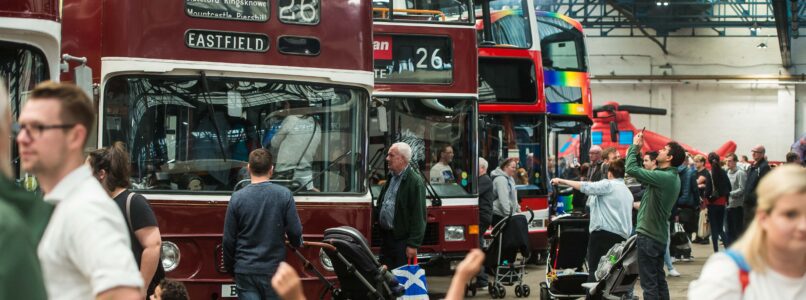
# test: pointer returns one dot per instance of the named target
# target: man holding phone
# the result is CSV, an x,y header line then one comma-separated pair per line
x,y
663,187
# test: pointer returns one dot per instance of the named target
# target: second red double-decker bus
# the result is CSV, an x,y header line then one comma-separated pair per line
x,y
191,87
426,95
512,105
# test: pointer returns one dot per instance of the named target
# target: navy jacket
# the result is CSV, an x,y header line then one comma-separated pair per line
x,y
259,217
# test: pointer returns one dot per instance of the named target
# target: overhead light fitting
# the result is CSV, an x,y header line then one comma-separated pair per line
x,y
662,3
762,45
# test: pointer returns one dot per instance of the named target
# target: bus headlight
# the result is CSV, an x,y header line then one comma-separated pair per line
x,y
325,260
454,233
170,256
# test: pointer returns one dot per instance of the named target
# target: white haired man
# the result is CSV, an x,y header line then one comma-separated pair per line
x,y
401,209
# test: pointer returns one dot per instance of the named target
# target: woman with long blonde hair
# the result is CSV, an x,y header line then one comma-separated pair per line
x,y
769,260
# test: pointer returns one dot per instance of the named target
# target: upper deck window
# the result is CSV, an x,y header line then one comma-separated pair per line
x,y
507,80
194,133
438,11
562,45
510,24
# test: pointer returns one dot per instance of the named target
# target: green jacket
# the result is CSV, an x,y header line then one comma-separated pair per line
x,y
409,208
663,188
34,211
20,272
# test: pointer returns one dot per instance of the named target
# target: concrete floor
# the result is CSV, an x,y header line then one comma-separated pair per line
x,y
678,286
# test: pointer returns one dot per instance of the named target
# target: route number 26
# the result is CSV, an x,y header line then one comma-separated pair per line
x,y
436,60
306,12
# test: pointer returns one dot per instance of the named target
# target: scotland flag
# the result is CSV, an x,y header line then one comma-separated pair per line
x,y
412,277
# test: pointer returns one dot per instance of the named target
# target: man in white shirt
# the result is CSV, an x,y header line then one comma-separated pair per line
x,y
441,172
85,252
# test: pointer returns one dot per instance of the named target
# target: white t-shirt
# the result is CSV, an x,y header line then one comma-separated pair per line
x,y
720,280
85,249
441,173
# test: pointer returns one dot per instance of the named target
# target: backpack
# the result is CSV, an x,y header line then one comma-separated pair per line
x,y
744,268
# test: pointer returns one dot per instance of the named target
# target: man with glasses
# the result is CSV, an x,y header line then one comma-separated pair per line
x,y
85,251
759,168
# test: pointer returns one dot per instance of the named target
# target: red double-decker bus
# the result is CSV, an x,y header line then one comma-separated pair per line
x,y
30,33
426,95
526,98
512,105
191,87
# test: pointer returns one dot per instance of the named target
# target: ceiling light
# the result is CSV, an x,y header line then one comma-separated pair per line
x,y
665,3
659,3
762,45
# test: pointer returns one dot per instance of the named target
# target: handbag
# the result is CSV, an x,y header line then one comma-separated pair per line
x,y
412,278
704,228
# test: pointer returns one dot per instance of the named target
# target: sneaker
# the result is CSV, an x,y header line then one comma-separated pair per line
x,y
674,273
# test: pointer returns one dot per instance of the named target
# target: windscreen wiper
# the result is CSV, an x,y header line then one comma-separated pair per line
x,y
436,200
211,112
332,163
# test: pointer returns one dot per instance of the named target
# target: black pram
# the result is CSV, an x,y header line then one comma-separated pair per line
x,y
565,269
360,274
509,237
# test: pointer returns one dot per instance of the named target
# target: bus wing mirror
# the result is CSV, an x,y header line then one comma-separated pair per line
x,y
83,78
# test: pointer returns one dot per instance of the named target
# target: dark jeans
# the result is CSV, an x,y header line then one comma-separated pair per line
x,y
716,217
254,287
393,251
650,268
735,225
599,243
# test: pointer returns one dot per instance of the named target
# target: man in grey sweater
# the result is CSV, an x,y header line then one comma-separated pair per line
x,y
259,217
735,212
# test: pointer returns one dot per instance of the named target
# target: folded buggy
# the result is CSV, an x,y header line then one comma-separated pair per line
x,y
509,237
568,247
360,274
616,273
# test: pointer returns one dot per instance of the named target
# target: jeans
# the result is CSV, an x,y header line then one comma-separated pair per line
x,y
735,223
599,243
650,268
667,257
393,251
716,214
254,287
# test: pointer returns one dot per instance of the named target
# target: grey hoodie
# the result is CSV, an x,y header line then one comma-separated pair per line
x,y
506,199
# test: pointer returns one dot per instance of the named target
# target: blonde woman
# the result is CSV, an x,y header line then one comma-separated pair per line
x,y
769,260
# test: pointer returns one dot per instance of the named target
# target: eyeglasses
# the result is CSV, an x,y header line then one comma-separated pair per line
x,y
35,131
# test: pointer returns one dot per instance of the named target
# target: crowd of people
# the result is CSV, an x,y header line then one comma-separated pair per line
x,y
103,241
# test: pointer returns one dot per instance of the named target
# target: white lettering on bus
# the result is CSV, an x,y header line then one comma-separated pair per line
x,y
380,46
224,41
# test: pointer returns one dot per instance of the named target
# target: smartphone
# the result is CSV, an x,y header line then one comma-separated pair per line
x,y
642,130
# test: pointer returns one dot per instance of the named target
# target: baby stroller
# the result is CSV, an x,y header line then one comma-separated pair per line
x,y
360,274
509,237
616,273
568,247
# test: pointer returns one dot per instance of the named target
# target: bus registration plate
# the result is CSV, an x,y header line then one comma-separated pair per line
x,y
229,290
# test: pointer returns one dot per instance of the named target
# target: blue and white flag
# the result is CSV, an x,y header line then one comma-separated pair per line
x,y
412,277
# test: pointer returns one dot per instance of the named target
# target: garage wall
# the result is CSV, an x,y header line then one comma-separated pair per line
x,y
703,114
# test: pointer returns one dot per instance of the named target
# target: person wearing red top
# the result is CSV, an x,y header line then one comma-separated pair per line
x,y
718,201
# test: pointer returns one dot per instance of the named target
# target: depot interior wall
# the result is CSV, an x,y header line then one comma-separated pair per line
x,y
703,114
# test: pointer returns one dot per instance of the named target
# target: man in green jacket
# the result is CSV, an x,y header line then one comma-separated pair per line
x,y
663,188
401,209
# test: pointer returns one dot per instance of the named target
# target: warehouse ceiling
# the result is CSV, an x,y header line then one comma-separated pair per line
x,y
660,19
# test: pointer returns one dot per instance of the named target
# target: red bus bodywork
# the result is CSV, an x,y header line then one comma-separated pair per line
x,y
119,36
435,250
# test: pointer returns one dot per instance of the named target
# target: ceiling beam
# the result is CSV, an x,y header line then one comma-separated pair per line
x,y
781,13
